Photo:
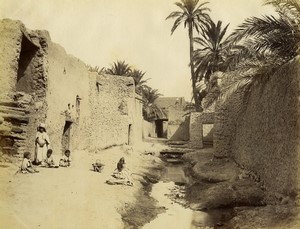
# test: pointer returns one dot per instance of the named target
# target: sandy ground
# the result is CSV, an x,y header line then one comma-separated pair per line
x,y
73,197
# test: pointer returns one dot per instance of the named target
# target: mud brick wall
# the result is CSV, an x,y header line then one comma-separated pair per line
x,y
197,119
104,108
111,105
23,77
261,133
148,129
10,48
226,115
178,128
40,82
267,134
196,130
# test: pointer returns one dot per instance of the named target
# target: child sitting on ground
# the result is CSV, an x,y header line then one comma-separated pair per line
x,y
49,161
121,175
98,166
65,161
26,166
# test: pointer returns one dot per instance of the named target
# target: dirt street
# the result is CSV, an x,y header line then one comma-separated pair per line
x,y
73,197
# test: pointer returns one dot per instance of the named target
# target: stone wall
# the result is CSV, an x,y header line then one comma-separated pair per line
x,y
264,134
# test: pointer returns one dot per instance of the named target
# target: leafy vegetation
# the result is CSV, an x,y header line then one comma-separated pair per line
x,y
193,16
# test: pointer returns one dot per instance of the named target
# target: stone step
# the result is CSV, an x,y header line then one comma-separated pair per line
x,y
9,150
9,103
177,143
175,151
12,112
15,119
14,109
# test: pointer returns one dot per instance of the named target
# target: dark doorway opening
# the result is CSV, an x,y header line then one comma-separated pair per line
x,y
129,134
66,137
26,69
159,128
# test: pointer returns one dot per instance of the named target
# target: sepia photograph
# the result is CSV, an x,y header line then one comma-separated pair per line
x,y
149,114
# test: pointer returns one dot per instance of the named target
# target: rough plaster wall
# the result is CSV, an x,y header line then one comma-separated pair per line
x,y
267,135
21,110
10,47
67,78
225,124
177,128
137,112
148,129
179,132
111,110
197,119
196,131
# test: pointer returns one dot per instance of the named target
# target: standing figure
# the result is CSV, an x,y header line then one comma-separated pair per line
x,y
42,144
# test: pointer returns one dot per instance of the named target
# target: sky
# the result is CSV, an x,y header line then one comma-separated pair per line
x,y
100,32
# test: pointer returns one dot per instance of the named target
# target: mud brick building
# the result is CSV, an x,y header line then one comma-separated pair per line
x,y
40,82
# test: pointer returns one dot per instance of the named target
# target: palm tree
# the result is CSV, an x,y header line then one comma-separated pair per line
x,y
119,68
193,16
211,56
95,69
149,96
139,82
272,41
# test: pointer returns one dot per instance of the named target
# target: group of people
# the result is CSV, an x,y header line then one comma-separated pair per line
x,y
43,157
43,154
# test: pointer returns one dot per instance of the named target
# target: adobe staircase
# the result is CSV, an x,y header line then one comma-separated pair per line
x,y
14,118
175,151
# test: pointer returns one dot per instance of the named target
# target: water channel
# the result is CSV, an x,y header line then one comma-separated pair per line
x,y
169,192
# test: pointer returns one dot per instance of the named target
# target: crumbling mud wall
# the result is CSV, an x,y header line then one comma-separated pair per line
x,y
40,82
23,77
264,135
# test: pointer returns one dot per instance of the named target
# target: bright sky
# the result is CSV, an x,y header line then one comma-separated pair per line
x,y
100,32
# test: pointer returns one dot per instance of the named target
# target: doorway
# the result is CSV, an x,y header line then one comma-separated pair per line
x,y
159,128
66,136
130,135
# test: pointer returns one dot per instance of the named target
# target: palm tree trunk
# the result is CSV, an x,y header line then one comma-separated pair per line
x,y
195,94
